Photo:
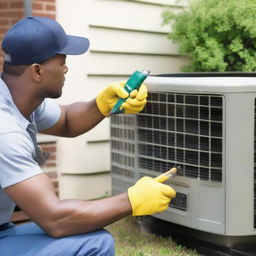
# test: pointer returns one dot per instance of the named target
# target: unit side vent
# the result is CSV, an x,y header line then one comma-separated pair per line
x,y
255,163
182,129
122,152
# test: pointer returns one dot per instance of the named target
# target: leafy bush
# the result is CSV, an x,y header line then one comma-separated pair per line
x,y
216,35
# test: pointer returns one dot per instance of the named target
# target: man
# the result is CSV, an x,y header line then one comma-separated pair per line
x,y
35,50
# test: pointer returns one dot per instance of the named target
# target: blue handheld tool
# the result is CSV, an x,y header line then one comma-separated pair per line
x,y
134,82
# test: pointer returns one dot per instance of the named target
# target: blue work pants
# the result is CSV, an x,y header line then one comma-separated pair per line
x,y
30,240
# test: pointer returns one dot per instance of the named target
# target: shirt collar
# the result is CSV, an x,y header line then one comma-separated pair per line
x,y
6,97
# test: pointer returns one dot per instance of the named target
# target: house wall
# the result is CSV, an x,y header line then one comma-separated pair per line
x,y
125,36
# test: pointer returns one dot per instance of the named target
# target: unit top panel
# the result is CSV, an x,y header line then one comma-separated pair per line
x,y
203,82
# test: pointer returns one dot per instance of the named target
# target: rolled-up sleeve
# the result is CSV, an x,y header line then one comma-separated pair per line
x,y
47,114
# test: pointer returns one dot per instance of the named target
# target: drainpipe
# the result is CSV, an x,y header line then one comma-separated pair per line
x,y
27,8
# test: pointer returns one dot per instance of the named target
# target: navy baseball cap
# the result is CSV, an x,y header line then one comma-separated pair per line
x,y
35,39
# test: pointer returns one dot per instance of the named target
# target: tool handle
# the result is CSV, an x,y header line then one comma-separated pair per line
x,y
167,175
134,82
116,108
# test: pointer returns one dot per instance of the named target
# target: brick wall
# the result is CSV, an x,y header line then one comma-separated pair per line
x,y
10,12
45,8
13,10
50,167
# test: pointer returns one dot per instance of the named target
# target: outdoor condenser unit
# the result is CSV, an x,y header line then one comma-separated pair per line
x,y
205,124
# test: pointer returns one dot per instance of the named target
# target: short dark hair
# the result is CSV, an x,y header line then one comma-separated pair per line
x,y
15,70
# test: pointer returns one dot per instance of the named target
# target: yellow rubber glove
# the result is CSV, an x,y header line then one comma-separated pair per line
x,y
108,97
149,195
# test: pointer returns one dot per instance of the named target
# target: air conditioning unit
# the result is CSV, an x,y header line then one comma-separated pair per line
x,y
205,124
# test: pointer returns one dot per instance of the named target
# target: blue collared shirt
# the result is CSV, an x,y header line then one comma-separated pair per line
x,y
19,154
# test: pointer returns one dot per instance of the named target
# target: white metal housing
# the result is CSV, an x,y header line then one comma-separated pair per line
x,y
207,126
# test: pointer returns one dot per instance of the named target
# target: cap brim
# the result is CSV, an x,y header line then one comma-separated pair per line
x,y
76,45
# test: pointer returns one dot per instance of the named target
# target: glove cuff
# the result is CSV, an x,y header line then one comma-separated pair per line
x,y
99,102
132,198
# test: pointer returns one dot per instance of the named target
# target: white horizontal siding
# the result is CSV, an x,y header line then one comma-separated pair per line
x,y
129,15
125,36
121,63
170,3
118,40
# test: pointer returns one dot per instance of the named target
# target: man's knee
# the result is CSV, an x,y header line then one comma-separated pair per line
x,y
107,244
101,243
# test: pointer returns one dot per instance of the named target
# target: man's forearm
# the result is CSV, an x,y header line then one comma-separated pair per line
x,y
78,217
36,197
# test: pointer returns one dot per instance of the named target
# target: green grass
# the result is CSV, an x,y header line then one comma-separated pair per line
x,y
130,240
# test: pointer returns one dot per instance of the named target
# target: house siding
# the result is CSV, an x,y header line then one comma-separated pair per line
x,y
125,36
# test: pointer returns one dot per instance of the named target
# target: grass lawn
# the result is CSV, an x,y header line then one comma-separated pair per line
x,y
131,241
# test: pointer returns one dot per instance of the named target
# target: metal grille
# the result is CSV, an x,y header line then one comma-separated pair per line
x,y
122,152
182,129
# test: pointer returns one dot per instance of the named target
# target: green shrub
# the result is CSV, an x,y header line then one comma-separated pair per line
x,y
216,35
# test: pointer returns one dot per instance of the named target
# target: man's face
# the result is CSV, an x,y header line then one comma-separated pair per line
x,y
54,75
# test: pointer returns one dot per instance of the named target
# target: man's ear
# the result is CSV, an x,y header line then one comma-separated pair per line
x,y
37,72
